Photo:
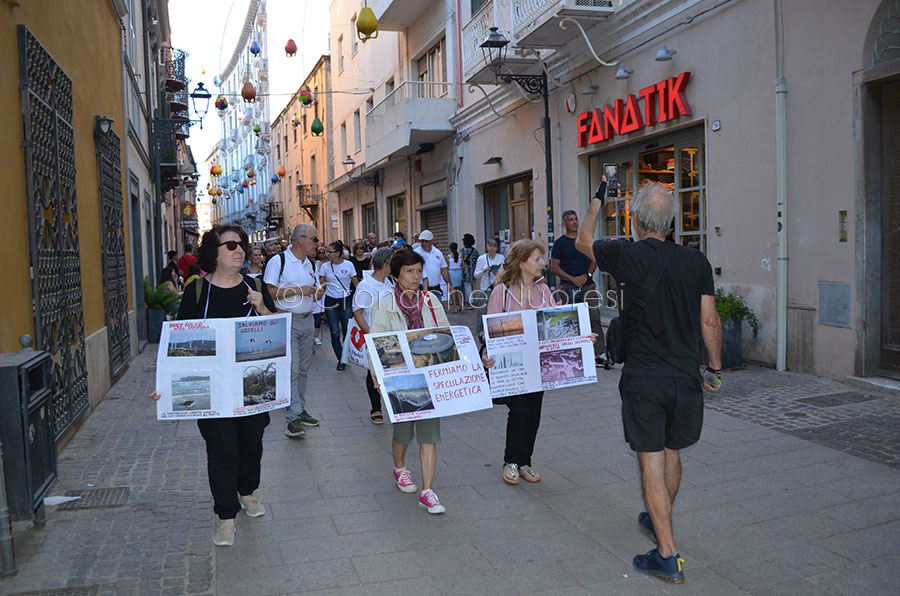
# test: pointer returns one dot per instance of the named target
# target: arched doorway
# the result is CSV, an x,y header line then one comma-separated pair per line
x,y
878,195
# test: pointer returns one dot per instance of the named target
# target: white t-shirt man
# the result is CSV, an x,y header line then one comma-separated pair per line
x,y
296,274
434,262
337,278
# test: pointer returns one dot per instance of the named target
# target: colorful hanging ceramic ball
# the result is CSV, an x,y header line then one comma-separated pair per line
x,y
281,172
212,192
305,96
290,48
241,189
317,128
254,48
250,201
253,183
274,178
219,192
221,103
244,184
214,201
248,92
257,128
295,122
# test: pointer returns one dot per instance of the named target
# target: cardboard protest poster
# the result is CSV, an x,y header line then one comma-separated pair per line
x,y
223,368
428,373
539,350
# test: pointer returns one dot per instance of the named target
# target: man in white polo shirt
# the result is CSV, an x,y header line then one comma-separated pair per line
x,y
435,266
291,278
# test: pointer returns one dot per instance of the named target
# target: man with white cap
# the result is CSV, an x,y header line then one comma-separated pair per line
x,y
435,266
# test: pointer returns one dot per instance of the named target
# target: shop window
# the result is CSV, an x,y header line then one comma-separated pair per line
x,y
368,219
348,227
679,167
397,214
509,210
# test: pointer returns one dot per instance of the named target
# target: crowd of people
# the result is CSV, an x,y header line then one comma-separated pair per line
x,y
392,285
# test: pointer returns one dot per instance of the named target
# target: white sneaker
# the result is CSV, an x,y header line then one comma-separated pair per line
x,y
317,341
251,505
225,534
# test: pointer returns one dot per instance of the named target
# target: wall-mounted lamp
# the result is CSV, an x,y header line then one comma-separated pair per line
x,y
493,160
349,162
589,88
664,54
623,73
103,124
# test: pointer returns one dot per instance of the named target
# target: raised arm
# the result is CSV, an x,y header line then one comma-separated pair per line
x,y
585,240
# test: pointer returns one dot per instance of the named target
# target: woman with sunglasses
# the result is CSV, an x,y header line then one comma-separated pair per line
x,y
233,445
338,277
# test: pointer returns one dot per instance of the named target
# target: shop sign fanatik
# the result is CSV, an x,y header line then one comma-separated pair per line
x,y
662,102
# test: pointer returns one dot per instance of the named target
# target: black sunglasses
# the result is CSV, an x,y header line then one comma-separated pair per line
x,y
232,245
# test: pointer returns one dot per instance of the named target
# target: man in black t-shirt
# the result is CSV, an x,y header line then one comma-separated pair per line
x,y
661,385
574,271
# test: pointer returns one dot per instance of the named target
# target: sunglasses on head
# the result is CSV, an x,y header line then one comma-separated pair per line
x,y
232,244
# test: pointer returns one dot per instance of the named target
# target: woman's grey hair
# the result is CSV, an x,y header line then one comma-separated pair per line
x,y
381,256
654,209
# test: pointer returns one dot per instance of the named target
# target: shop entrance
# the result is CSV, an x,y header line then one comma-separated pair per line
x,y
509,210
677,162
890,229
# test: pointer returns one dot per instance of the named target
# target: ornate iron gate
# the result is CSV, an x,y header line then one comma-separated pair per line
x,y
53,226
112,234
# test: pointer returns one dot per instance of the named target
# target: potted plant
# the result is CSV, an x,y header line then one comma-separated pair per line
x,y
160,301
734,311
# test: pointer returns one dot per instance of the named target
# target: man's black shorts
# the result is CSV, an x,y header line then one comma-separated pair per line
x,y
661,412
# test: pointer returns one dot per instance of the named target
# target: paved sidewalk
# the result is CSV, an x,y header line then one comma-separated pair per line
x,y
766,505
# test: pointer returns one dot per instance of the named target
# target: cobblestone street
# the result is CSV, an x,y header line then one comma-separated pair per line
x,y
781,496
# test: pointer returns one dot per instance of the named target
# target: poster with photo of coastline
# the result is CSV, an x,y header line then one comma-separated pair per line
x,y
223,368
544,349
428,373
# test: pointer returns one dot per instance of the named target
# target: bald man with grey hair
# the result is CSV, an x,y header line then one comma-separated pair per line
x,y
291,278
668,304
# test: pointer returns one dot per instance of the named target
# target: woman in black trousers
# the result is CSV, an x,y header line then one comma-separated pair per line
x,y
233,445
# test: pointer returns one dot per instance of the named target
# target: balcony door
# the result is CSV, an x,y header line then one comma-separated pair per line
x,y
433,69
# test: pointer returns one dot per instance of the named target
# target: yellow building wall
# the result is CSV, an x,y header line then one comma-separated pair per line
x,y
84,37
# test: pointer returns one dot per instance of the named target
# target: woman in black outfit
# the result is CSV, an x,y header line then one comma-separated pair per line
x,y
233,445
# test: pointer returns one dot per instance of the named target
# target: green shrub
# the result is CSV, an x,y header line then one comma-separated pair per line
x,y
731,305
160,298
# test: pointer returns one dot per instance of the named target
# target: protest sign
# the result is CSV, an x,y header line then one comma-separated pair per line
x,y
428,373
539,350
223,368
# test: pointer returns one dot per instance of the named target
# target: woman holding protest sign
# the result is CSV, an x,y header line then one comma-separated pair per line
x,y
408,307
520,286
233,445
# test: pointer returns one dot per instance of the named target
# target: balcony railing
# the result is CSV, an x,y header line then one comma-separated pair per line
x,y
533,24
407,90
173,68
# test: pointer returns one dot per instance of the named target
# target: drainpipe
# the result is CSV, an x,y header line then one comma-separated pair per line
x,y
7,551
781,195
459,72
781,190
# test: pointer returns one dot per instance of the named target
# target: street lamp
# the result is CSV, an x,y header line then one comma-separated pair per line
x,y
200,99
103,124
494,49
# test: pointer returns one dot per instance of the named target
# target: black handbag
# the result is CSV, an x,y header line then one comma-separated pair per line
x,y
617,343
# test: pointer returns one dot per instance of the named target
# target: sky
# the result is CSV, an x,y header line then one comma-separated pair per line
x,y
209,29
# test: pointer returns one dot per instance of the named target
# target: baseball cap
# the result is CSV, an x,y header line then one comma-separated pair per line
x,y
398,243
426,235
